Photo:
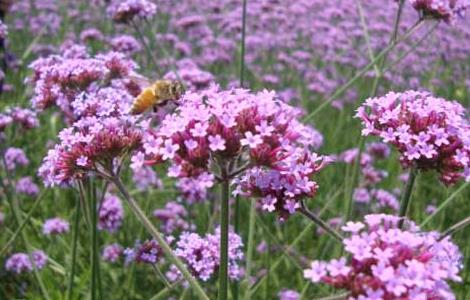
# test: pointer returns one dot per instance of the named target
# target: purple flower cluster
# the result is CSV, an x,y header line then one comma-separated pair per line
x,y
201,254
125,11
430,133
194,189
73,82
111,214
193,77
213,125
148,252
446,10
145,178
171,217
91,34
391,263
55,226
23,117
288,295
26,186
15,157
112,253
3,31
126,44
90,145
21,263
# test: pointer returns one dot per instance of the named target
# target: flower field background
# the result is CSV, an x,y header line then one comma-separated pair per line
x,y
320,149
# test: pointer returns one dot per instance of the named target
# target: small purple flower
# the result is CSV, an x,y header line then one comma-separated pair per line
x,y
26,186
55,226
111,214
112,253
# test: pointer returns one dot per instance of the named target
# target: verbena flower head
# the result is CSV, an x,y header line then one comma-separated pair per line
x,y
15,157
288,295
23,117
148,252
74,83
112,253
55,226
201,254
430,133
391,263
111,214
211,126
90,145
171,217
126,44
91,34
3,31
27,186
446,10
125,11
21,262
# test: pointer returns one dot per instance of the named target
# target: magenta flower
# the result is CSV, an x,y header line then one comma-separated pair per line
x,y
430,133
90,145
55,226
446,10
391,263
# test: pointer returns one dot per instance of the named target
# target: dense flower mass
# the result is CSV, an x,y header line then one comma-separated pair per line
x,y
429,132
446,10
90,145
390,263
110,214
256,128
55,226
125,11
201,254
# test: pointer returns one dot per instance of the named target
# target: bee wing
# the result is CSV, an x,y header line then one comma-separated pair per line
x,y
139,79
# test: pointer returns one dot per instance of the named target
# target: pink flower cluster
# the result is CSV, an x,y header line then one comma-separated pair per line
x,y
111,214
126,44
390,263
55,226
446,10
20,262
90,145
75,77
201,254
172,217
288,182
430,133
255,129
193,77
125,11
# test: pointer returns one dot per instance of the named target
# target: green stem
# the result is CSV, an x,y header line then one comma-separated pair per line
x,y
224,222
21,227
242,46
74,251
455,228
406,196
303,209
159,238
144,43
249,251
445,203
364,70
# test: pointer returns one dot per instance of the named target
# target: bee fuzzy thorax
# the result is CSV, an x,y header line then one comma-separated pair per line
x,y
158,94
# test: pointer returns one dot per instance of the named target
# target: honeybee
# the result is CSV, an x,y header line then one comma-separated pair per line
x,y
157,94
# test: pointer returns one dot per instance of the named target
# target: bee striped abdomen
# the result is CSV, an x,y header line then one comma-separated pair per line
x,y
144,101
